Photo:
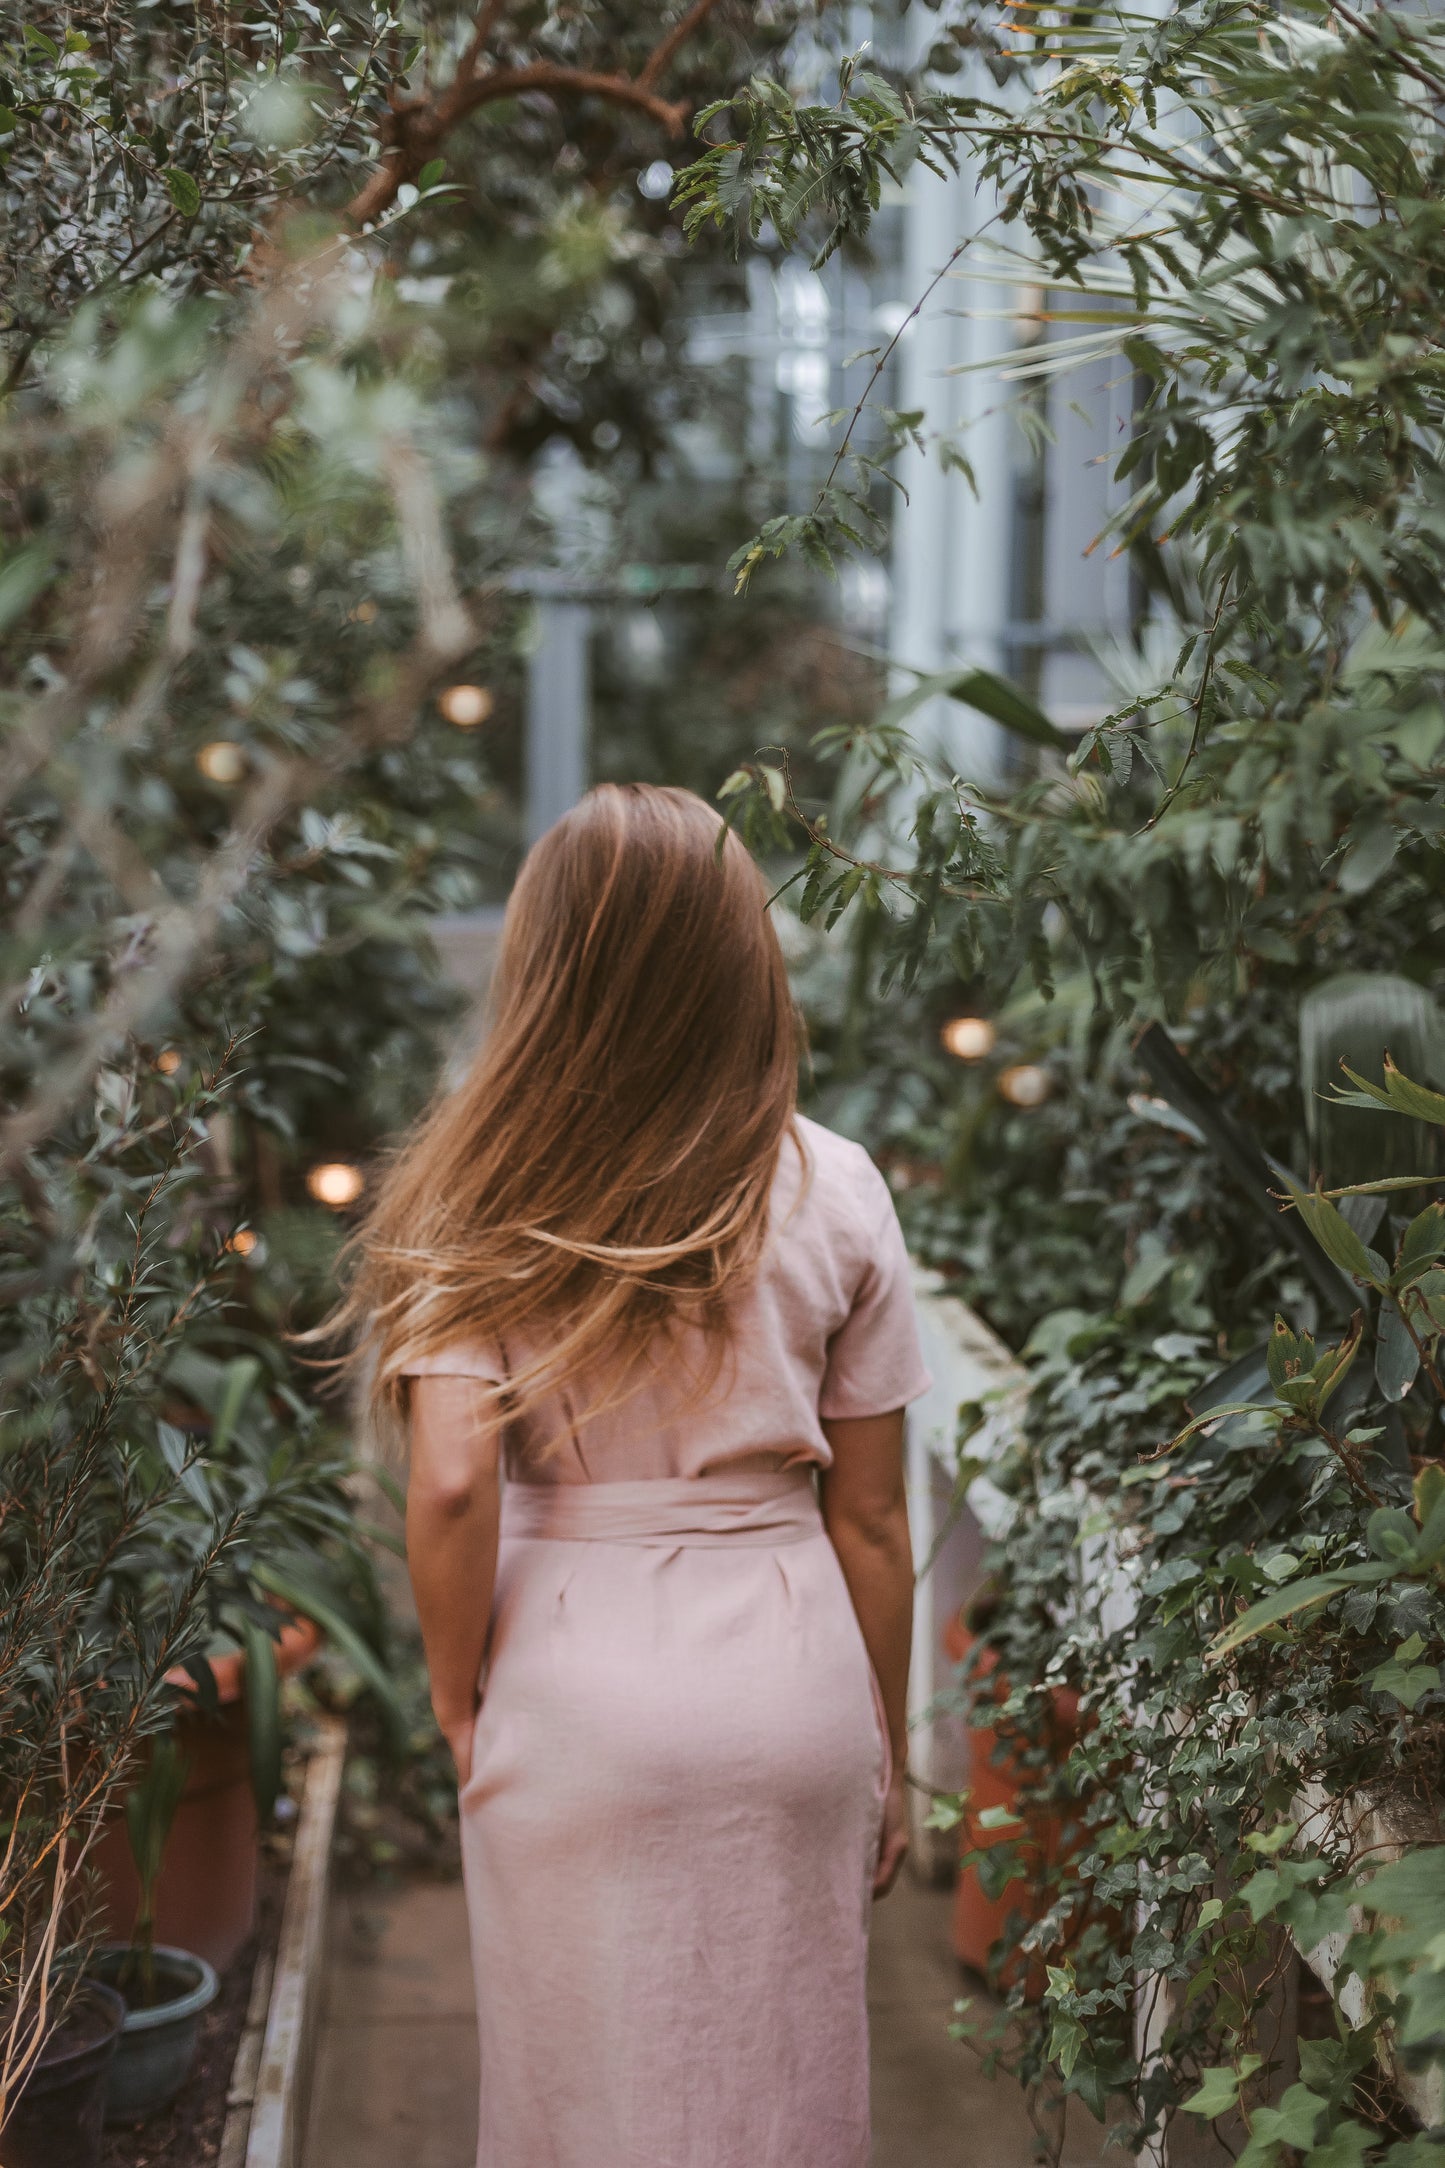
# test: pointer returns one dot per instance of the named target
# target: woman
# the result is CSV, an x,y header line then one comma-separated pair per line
x,y
654,1337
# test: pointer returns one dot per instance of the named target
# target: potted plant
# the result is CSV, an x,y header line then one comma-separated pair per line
x,y
58,2113
240,1432
165,1989
1009,1767
228,1738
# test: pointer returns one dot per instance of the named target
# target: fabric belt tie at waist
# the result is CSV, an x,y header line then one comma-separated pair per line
x,y
698,1510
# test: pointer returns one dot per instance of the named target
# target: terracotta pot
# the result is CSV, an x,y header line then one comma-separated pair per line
x,y
206,1895
996,1779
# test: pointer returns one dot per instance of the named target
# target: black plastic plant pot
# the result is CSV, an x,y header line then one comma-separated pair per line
x,y
58,2118
158,2040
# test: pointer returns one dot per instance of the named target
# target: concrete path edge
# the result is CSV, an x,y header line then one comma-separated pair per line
x,y
271,2075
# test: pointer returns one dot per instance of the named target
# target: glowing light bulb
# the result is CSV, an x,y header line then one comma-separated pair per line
x,y
222,761
1025,1085
243,1241
969,1038
336,1183
466,705
168,1061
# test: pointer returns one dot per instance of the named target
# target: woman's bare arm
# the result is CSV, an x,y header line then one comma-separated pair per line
x,y
453,1505
865,1510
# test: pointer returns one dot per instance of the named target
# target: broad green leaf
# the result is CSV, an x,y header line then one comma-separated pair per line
x,y
1269,1842
240,1379
1219,2088
1397,1358
182,190
1398,1095
1285,1602
22,578
340,1632
1408,1683
1066,2041
263,1715
990,695
150,1809
1344,2147
1423,1240
1336,1237
1293,2123
1392,1534
1429,1492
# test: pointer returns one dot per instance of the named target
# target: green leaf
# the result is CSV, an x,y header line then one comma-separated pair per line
x,y
263,1715
1397,1358
1294,2122
182,190
1336,1237
1392,1535
240,1379
1285,1602
1067,2039
431,173
22,578
1219,2088
990,695
1423,1240
1344,2147
344,1636
1268,1842
1408,1683
1398,1095
150,1810
1429,1493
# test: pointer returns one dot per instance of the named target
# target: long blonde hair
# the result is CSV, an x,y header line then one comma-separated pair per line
x,y
604,1170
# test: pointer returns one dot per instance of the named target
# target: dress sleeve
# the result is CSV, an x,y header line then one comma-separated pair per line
x,y
875,1363
464,1359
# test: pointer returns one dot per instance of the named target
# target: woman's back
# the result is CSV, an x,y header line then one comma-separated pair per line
x,y
823,1328
670,1653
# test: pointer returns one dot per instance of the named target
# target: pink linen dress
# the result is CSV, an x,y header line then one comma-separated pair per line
x,y
674,1809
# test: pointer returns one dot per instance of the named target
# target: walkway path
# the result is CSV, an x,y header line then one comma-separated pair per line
x,y
396,2065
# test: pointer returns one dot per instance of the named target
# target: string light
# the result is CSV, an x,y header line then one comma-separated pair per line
x,y
336,1183
363,614
466,705
222,761
1025,1085
243,1241
969,1038
168,1061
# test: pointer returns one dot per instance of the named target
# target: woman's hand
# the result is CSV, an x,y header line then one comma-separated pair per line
x,y
893,1844
459,1733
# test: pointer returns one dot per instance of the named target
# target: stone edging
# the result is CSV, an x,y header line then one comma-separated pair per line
x,y
271,2076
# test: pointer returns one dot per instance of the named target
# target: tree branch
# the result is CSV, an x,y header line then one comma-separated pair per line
x,y
419,127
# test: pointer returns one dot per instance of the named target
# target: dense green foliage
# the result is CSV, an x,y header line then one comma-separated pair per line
x,y
1241,206
261,497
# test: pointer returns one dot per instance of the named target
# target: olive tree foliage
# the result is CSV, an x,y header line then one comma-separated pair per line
x,y
148,146
245,535
1239,205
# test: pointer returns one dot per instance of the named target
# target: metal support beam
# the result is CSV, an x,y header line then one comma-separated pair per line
x,y
557,712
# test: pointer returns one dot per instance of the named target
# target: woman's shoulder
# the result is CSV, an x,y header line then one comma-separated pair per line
x,y
839,1178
